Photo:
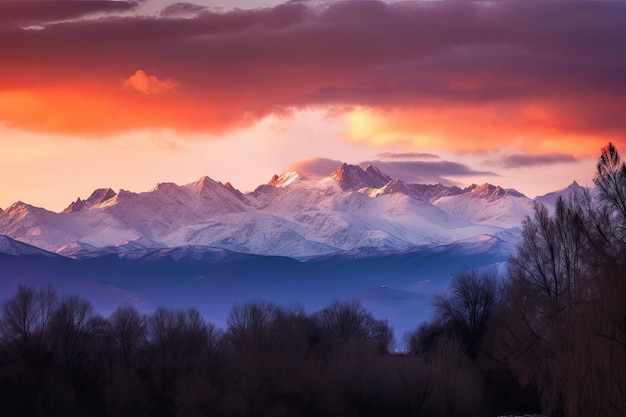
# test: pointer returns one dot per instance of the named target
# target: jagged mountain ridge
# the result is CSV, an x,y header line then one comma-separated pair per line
x,y
292,215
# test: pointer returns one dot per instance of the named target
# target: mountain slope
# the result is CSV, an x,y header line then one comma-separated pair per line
x,y
488,204
12,247
292,215
572,192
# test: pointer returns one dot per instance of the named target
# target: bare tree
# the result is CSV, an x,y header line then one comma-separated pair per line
x,y
26,321
565,303
468,303
253,326
75,327
128,330
178,343
344,323
610,178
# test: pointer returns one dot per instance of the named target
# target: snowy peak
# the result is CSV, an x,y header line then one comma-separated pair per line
x,y
492,192
377,175
431,192
353,177
166,187
425,192
488,204
209,189
97,197
284,179
18,210
572,192
393,186
204,183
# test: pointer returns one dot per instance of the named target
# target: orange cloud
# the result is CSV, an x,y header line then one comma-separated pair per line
x,y
149,84
533,129
89,110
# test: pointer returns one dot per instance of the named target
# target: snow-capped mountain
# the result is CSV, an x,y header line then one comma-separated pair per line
x,y
488,204
572,192
97,197
353,177
293,215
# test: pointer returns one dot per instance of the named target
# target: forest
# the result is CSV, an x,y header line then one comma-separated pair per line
x,y
548,337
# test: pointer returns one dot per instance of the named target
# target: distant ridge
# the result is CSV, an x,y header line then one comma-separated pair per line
x,y
292,215
12,247
98,196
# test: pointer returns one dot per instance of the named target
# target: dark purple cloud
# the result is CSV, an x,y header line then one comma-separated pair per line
x,y
426,172
407,155
23,12
524,160
181,10
405,170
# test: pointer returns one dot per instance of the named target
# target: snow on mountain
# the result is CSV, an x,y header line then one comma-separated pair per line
x,y
97,197
168,207
572,192
292,215
284,179
353,177
488,204
12,247
320,211
42,228
125,216
250,232
82,250
183,253
426,192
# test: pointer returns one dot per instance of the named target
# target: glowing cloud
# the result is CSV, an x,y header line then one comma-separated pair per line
x,y
472,129
149,84
458,75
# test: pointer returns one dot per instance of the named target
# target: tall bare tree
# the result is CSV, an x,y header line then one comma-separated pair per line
x,y
26,319
610,178
468,303
75,327
565,304
128,330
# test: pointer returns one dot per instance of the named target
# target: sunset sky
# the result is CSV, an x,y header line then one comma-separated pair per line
x,y
120,94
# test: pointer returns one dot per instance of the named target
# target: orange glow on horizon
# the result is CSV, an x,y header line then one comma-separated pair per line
x,y
532,129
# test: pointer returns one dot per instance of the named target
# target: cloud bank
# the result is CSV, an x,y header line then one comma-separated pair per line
x,y
523,160
465,76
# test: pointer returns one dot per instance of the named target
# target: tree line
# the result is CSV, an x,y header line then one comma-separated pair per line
x,y
59,357
548,337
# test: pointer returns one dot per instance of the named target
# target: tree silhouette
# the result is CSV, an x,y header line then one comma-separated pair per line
x,y
75,327
610,178
26,320
468,304
565,302
129,331
348,323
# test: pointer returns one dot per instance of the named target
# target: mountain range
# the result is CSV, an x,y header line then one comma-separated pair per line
x,y
353,234
293,215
